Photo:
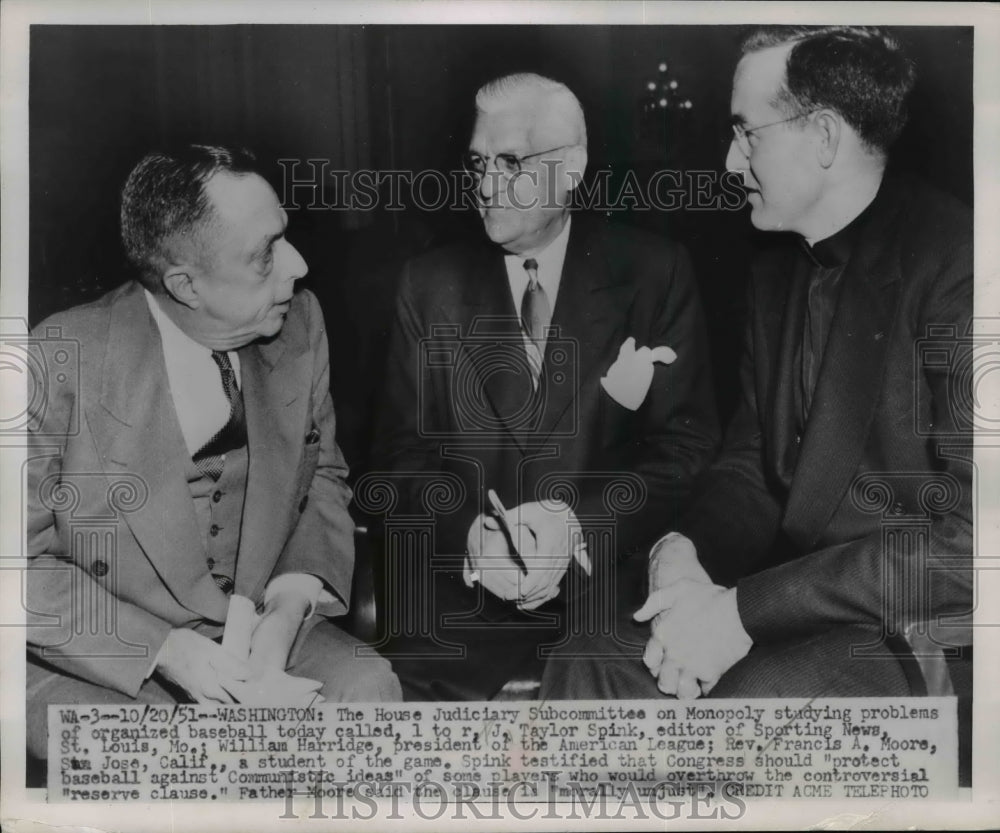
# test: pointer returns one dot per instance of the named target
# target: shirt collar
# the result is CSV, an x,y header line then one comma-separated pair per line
x,y
835,250
178,344
175,340
550,261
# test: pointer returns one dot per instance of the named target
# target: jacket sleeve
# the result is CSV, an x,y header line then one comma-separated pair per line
x,y
74,623
735,514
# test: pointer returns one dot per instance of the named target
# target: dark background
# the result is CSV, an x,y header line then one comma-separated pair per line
x,y
401,97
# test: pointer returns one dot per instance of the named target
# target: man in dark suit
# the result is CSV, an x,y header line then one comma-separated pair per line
x,y
187,460
828,550
501,377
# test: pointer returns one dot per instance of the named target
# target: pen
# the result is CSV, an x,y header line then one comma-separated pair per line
x,y
501,513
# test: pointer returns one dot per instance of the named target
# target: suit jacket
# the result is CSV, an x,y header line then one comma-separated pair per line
x,y
867,516
455,410
115,555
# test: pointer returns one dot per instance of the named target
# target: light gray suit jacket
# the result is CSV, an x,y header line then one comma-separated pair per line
x,y
115,557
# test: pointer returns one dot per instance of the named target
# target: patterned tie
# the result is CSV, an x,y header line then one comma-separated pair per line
x,y
535,317
233,434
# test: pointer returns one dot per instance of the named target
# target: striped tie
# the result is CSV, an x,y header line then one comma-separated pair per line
x,y
232,435
535,317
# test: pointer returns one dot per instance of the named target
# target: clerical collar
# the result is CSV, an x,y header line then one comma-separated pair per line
x,y
835,250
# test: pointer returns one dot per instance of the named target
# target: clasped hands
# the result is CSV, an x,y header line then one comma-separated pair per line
x,y
696,632
211,674
547,537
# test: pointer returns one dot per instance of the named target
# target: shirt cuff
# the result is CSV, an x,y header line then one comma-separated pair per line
x,y
152,667
305,584
469,576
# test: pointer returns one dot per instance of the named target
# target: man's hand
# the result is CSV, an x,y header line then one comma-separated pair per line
x,y
275,633
276,688
549,537
490,561
270,644
700,634
199,666
672,559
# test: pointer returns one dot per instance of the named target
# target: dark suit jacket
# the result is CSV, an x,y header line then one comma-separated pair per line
x,y
871,506
456,410
114,552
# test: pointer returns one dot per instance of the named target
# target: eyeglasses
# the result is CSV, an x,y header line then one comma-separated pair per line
x,y
742,134
508,164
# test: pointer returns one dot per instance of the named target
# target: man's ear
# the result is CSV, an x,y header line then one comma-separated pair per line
x,y
576,165
180,286
829,126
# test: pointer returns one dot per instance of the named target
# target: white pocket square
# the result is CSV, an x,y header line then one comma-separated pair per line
x,y
628,379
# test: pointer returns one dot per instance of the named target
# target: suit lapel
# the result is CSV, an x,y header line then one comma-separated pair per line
x,y
275,379
589,308
850,379
493,353
136,429
785,331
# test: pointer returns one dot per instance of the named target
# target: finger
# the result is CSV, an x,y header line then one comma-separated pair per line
x,y
526,541
628,346
659,601
501,582
652,657
544,591
668,677
707,685
303,685
526,605
225,664
687,686
215,691
494,545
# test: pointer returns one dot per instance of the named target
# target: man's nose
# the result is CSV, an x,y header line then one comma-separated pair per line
x,y
295,266
488,184
736,160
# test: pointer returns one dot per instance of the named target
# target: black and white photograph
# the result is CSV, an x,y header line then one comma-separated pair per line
x,y
523,415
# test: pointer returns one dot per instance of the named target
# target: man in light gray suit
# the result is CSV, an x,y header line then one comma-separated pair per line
x,y
200,427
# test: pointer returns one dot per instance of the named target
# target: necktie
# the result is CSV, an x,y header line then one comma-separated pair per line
x,y
535,317
233,434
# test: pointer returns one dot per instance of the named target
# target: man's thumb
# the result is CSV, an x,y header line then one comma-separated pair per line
x,y
658,602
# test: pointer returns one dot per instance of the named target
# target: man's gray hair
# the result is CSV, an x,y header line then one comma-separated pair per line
x,y
559,100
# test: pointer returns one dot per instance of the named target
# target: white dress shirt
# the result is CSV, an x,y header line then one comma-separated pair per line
x,y
202,409
550,265
195,382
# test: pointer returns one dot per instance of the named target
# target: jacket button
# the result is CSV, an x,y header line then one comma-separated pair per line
x,y
216,496
302,503
213,530
99,568
211,563
798,439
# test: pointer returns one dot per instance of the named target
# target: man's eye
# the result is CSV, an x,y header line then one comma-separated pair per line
x,y
508,163
267,258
